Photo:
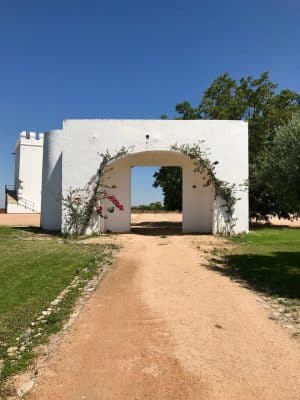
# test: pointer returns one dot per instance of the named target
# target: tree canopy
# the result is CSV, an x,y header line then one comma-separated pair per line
x,y
281,169
258,101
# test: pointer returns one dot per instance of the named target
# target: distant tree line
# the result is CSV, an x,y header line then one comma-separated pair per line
x,y
152,206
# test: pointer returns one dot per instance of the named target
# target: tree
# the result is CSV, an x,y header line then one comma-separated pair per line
x,y
281,169
170,180
258,102
252,100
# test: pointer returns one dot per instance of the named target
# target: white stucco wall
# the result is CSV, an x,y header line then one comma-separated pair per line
x,y
51,209
227,141
17,164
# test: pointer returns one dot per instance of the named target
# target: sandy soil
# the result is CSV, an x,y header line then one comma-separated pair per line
x,y
285,222
162,218
138,218
20,219
162,326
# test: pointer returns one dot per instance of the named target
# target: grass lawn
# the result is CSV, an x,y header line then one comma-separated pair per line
x,y
34,269
269,260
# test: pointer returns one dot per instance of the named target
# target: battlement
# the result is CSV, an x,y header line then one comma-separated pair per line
x,y
31,139
31,135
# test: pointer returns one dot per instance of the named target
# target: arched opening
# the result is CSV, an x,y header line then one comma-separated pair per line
x,y
154,210
197,199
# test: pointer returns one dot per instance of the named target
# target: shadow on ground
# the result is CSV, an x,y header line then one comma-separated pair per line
x,y
255,226
39,231
157,228
277,274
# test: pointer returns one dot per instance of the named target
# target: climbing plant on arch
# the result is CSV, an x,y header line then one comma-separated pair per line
x,y
207,168
83,205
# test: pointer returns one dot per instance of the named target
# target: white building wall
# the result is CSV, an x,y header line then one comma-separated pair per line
x,y
118,221
197,201
51,210
17,164
227,141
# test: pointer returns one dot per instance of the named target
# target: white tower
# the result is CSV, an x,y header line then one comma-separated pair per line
x,y
25,195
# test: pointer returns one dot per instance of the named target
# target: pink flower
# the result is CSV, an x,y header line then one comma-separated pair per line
x,y
115,201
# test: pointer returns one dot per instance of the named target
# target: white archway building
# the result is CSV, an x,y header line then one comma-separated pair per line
x,y
71,158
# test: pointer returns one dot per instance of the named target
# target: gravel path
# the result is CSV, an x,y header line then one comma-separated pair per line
x,y
163,326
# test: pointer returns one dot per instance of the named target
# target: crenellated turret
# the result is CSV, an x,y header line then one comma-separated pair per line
x,y
25,195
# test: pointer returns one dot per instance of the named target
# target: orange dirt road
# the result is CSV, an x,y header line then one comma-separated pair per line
x,y
162,326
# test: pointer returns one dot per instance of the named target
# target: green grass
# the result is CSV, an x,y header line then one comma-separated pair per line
x,y
34,269
269,260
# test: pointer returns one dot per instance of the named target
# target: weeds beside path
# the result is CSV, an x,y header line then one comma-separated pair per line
x,y
35,269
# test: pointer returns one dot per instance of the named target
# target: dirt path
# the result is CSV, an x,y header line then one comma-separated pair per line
x,y
163,326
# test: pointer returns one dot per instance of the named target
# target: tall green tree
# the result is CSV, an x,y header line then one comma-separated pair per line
x,y
281,169
257,101
170,180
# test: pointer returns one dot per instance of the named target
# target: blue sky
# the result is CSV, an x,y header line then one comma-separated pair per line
x,y
131,59
141,186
